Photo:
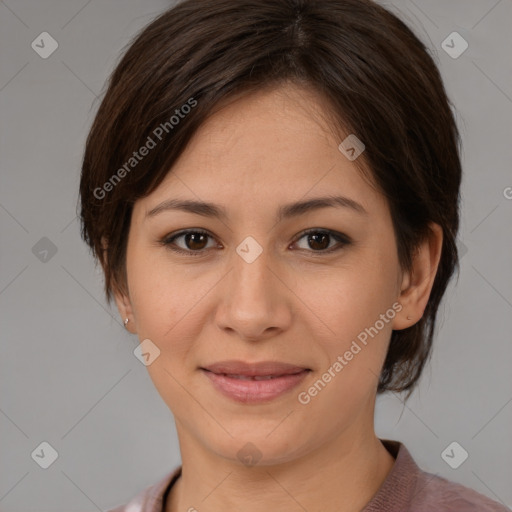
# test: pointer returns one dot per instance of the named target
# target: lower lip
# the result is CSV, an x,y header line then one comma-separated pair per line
x,y
255,391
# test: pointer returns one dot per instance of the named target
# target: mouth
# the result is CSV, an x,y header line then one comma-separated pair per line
x,y
254,383
255,377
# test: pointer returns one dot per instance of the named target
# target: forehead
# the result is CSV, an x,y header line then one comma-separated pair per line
x,y
268,147
278,118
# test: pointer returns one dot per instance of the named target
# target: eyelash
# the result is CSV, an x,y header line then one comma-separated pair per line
x,y
343,240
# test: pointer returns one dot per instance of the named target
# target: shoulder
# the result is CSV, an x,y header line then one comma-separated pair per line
x,y
152,497
407,487
136,504
435,493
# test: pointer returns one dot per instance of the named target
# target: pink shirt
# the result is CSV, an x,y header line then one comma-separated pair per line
x,y
406,488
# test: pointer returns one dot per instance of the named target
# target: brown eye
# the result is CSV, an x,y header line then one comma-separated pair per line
x,y
320,240
193,241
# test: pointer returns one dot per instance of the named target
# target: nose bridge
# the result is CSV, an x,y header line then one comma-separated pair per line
x,y
252,304
251,272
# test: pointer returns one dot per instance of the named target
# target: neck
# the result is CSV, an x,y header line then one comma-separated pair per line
x,y
340,476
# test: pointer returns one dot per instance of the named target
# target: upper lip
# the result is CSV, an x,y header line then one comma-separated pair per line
x,y
262,368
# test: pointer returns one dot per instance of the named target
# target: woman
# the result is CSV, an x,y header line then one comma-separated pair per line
x,y
272,190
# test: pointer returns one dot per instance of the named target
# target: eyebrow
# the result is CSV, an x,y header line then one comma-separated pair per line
x,y
284,212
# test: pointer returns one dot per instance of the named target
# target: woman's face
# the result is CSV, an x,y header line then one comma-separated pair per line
x,y
256,288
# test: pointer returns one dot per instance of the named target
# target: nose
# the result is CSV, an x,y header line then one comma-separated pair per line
x,y
255,300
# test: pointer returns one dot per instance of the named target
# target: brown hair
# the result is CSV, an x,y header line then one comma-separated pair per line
x,y
376,75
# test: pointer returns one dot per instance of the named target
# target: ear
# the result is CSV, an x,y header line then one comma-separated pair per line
x,y
417,283
121,296
124,306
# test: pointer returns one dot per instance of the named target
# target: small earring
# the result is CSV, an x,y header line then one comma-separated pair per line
x,y
126,320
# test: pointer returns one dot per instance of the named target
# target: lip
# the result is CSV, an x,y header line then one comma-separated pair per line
x,y
261,368
234,380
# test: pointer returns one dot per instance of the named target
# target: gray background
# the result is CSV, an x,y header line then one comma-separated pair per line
x,y
68,373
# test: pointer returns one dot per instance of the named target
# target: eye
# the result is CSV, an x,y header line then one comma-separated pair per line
x,y
195,241
319,240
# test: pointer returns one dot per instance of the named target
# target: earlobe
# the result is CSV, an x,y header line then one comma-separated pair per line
x,y
125,310
417,283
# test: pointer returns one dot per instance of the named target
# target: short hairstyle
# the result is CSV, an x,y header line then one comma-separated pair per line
x,y
377,77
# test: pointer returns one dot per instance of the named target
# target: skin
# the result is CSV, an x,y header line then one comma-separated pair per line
x,y
292,304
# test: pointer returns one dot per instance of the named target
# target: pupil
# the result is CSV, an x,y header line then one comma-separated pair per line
x,y
192,240
314,244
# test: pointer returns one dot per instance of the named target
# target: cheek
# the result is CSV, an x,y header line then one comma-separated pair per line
x,y
163,306
348,299
167,300
155,288
353,313
156,294
353,339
